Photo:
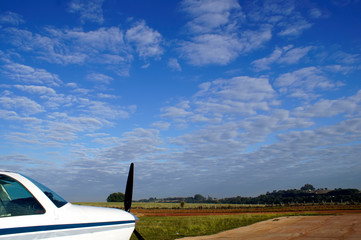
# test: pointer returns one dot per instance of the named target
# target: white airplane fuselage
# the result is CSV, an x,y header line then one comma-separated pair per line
x,y
68,222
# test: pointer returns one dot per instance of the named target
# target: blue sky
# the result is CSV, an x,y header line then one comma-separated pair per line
x,y
221,98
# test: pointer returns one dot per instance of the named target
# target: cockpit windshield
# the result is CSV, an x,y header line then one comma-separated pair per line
x,y
16,200
54,197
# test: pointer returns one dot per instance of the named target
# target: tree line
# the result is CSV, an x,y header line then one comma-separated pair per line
x,y
306,194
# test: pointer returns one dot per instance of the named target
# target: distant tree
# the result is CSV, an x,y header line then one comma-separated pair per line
x,y
199,198
307,187
116,197
182,204
307,194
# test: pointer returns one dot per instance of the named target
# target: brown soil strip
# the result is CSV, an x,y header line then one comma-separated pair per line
x,y
202,212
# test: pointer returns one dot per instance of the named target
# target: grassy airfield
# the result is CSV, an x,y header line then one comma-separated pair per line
x,y
164,228
166,221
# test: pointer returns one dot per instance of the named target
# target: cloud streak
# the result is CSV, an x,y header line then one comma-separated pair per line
x,y
88,10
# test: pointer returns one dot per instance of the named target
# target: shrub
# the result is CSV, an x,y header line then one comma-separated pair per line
x,y
116,197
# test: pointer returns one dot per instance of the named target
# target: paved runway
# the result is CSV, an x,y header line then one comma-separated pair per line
x,y
331,227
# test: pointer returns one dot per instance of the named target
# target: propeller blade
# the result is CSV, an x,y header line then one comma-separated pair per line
x,y
129,189
137,234
129,195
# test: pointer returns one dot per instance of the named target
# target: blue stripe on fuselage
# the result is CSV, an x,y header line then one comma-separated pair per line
x,y
7,231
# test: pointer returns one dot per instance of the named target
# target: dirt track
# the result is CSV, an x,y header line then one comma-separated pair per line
x,y
346,226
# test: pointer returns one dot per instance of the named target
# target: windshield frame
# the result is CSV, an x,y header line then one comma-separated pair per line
x,y
55,198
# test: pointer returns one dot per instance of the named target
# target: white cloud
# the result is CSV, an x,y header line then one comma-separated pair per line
x,y
102,46
303,82
224,99
32,89
107,140
253,39
346,58
161,125
97,135
213,149
213,32
286,55
48,112
256,129
315,13
146,40
263,63
293,55
218,33
29,75
283,15
13,116
174,64
101,40
294,29
330,108
59,127
19,158
107,96
241,88
175,111
89,10
221,49
210,15
337,68
22,104
11,18
107,111
134,145
211,49
99,78
72,85
70,126
271,11
212,142
60,132
145,66
323,139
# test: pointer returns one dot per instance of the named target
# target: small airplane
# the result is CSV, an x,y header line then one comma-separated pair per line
x,y
29,210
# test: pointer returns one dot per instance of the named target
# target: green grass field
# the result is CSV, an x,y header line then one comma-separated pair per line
x,y
173,227
167,228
